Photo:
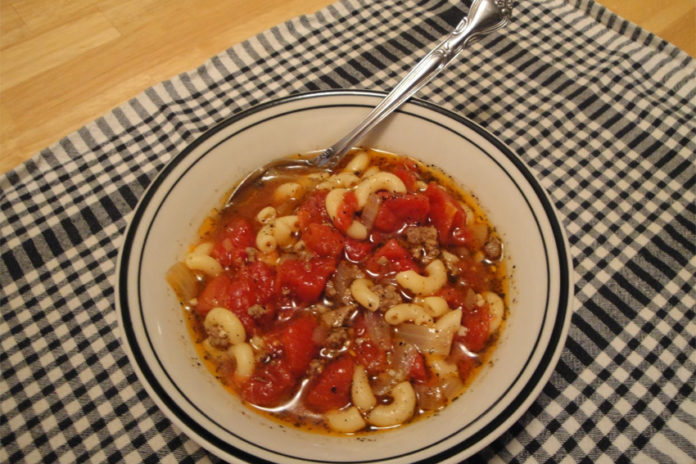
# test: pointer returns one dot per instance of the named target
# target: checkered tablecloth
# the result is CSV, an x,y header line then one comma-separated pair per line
x,y
601,111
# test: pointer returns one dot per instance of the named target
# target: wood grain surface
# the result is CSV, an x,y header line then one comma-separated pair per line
x,y
64,63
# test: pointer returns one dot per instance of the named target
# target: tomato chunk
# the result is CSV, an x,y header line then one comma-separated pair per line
x,y
270,385
477,323
357,250
232,241
371,356
390,259
407,170
262,277
291,349
372,341
418,371
323,239
304,279
346,210
313,210
458,296
253,284
331,388
293,341
398,210
446,214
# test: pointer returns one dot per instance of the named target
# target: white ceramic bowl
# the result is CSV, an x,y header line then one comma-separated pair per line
x,y
170,211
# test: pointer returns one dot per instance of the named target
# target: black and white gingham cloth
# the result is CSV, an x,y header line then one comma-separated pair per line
x,y
602,112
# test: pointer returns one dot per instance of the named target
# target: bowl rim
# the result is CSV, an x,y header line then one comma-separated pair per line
x,y
474,442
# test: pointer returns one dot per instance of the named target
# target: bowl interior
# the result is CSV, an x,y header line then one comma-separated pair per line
x,y
170,212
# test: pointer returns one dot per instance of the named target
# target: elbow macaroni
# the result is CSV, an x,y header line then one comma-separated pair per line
x,y
285,227
407,312
278,233
450,322
378,181
360,390
341,180
398,411
287,191
436,306
200,260
357,230
265,239
221,319
496,308
333,201
424,285
360,289
266,215
358,164
346,421
243,355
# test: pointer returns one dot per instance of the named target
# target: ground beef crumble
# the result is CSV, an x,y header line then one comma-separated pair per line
x,y
422,243
388,296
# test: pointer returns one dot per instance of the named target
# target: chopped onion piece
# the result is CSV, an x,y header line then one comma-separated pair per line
x,y
479,234
183,281
369,212
429,398
377,329
452,386
403,357
428,339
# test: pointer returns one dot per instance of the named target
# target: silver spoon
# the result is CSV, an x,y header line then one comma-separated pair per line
x,y
484,17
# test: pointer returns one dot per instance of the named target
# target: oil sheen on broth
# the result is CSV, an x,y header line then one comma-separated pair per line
x,y
348,301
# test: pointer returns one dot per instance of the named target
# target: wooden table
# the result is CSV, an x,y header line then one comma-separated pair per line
x,y
64,63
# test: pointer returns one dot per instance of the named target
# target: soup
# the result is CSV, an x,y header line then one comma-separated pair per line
x,y
348,301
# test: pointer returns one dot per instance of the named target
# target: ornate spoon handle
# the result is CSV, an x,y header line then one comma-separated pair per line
x,y
485,16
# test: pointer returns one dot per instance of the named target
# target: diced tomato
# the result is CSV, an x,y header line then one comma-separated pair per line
x,y
477,323
242,296
262,277
232,241
253,284
418,372
217,292
270,385
293,341
407,176
346,210
323,239
371,356
386,220
304,279
390,259
458,296
291,348
461,235
357,250
331,388
313,210
212,294
398,210
446,214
